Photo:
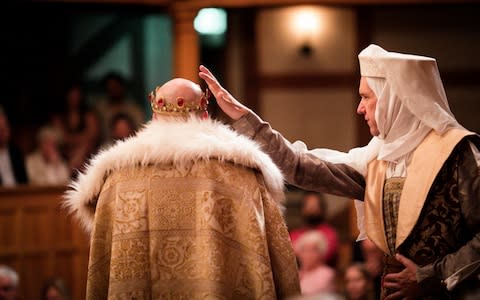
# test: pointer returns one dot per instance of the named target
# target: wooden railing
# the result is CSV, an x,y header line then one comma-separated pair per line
x,y
40,241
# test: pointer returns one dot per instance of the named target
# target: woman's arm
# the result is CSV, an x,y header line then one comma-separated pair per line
x,y
301,169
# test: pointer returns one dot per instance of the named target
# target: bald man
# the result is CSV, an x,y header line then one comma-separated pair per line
x,y
186,209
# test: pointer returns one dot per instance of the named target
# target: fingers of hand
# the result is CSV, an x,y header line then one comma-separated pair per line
x,y
396,277
405,261
212,83
206,71
392,285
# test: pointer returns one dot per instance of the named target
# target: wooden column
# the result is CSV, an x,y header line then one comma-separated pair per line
x,y
186,49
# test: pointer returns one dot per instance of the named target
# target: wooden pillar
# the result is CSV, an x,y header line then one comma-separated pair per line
x,y
186,49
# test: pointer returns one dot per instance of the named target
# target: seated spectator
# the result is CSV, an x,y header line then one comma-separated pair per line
x,y
8,283
374,263
46,166
56,289
313,212
12,166
79,126
315,276
122,127
358,283
116,101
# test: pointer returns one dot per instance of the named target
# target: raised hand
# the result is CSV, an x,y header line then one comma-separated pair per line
x,y
230,106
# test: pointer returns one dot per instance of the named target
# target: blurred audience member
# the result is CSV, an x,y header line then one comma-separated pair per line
x,y
79,126
8,283
121,127
358,283
313,212
56,289
315,276
374,263
117,102
12,166
46,166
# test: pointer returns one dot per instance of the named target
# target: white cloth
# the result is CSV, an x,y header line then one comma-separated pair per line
x,y
6,170
411,99
357,158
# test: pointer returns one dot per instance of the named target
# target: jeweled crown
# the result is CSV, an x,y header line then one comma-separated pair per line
x,y
160,105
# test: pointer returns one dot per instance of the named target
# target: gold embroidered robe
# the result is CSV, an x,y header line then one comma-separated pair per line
x,y
201,223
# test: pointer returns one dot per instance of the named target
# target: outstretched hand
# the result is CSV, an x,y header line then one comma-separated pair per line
x,y
404,284
230,106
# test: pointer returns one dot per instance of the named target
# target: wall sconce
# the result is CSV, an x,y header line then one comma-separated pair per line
x,y
306,23
211,24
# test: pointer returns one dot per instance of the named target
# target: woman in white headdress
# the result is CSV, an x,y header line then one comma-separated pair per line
x,y
418,177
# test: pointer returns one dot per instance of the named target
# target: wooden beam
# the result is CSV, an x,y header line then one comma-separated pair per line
x,y
250,3
192,4
306,80
163,3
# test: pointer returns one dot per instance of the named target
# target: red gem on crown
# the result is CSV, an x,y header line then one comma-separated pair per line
x,y
160,102
203,102
180,102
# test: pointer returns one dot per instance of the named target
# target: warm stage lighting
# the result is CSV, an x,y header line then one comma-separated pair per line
x,y
306,21
211,21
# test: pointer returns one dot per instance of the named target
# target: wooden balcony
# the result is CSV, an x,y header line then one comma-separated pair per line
x,y
40,241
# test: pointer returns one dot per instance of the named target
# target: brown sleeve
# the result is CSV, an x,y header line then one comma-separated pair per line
x,y
302,169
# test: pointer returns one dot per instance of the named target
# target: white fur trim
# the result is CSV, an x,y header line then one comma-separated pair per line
x,y
167,141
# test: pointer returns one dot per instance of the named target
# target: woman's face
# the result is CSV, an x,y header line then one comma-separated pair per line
x,y
356,284
53,294
310,256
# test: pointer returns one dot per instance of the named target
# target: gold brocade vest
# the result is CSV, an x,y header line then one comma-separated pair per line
x,y
427,160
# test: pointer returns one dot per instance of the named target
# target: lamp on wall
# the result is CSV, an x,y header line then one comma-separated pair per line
x,y
211,24
211,21
306,24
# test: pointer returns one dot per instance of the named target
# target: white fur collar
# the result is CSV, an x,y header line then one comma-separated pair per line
x,y
166,141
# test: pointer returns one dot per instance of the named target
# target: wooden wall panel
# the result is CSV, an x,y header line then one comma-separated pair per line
x,y
40,241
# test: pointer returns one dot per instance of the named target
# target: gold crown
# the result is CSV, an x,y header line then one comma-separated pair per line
x,y
180,106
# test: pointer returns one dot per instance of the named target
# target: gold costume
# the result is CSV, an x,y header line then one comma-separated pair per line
x,y
183,224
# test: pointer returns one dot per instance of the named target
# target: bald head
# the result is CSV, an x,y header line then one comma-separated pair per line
x,y
179,92
180,87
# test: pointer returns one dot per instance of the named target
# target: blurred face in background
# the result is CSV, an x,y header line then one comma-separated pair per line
x,y
121,129
53,294
49,149
312,210
8,291
356,284
310,256
74,97
115,89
